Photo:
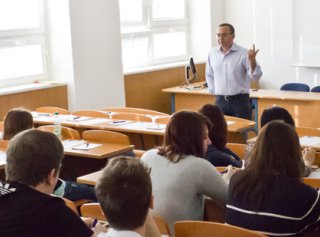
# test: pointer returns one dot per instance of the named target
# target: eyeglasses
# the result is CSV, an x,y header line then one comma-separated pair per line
x,y
222,35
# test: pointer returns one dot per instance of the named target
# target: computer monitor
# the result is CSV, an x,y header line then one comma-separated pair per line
x,y
189,78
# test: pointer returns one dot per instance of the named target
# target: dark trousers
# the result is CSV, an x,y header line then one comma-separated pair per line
x,y
235,105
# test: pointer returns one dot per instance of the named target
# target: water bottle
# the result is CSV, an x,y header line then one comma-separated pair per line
x,y
57,125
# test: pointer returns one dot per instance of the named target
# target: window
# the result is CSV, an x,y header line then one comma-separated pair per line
x,y
22,42
153,32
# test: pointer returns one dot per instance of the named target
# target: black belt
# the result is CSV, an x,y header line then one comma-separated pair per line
x,y
233,97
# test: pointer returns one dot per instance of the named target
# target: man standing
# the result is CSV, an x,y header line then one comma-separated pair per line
x,y
229,71
27,209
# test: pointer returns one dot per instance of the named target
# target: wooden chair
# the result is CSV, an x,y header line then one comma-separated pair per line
x,y
162,225
210,229
313,182
105,136
306,131
214,211
134,110
52,110
71,205
317,159
238,148
135,118
67,133
91,113
92,210
132,117
162,119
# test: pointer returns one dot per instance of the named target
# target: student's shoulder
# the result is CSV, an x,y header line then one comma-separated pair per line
x,y
150,154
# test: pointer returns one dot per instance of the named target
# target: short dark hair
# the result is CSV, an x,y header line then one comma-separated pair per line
x,y
16,120
32,155
124,191
276,113
231,28
219,130
276,153
184,135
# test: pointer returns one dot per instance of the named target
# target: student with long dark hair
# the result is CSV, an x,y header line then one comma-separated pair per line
x,y
269,195
180,177
217,153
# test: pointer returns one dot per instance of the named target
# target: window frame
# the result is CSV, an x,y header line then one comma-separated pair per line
x,y
149,26
24,37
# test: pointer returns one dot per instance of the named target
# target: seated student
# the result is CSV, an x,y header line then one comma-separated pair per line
x,y
179,174
279,113
269,195
125,193
18,120
218,154
27,208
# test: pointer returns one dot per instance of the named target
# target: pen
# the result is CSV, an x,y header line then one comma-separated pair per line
x,y
119,121
87,145
76,117
225,171
94,223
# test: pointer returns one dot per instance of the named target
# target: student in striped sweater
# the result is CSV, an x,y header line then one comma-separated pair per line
x,y
269,195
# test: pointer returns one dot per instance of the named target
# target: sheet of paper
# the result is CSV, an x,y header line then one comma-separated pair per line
x,y
157,127
3,158
86,146
71,143
310,141
95,121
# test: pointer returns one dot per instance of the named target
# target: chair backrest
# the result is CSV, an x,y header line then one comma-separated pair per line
x,y
67,133
92,210
132,117
210,229
105,136
51,110
91,113
162,119
134,110
313,182
306,131
213,210
238,148
162,225
315,89
71,205
295,87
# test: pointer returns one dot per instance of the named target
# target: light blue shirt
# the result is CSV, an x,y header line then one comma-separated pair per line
x,y
230,73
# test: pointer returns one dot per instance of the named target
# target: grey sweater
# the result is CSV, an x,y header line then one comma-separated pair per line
x,y
179,188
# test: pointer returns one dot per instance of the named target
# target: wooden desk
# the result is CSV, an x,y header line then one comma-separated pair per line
x,y
75,162
106,150
301,105
236,127
90,179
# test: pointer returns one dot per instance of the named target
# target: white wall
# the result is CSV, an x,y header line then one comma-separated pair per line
x,y
269,24
86,51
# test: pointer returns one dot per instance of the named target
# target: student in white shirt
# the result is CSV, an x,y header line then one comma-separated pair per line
x,y
125,193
